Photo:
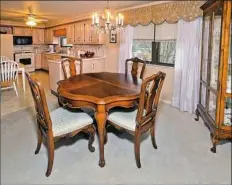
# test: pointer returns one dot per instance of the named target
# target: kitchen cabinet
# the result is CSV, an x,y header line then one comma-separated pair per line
x,y
19,31
46,58
38,36
70,33
93,65
83,34
49,36
38,61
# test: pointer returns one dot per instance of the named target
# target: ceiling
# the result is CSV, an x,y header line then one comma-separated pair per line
x,y
56,11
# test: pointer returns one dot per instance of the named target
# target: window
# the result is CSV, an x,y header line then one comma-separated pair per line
x,y
142,48
155,43
163,53
63,42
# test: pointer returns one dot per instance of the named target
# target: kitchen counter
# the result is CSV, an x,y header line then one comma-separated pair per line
x,y
73,56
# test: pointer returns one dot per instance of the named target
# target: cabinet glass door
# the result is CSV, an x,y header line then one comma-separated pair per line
x,y
203,95
212,105
228,112
215,47
205,46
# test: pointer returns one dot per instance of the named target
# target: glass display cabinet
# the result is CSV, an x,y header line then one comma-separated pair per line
x,y
215,96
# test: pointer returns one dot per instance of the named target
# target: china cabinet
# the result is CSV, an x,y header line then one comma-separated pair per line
x,y
215,96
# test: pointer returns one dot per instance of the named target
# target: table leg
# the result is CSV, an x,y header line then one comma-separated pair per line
x,y
101,116
23,78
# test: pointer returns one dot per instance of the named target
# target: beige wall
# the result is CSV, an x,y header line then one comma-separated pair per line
x,y
166,94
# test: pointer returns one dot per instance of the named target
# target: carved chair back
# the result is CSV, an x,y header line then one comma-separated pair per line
x,y
42,112
9,72
71,67
136,67
149,98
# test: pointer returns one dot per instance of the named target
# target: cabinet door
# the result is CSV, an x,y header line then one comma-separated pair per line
x,y
18,31
35,36
77,33
70,33
42,61
38,62
27,31
41,36
94,37
98,65
88,32
87,66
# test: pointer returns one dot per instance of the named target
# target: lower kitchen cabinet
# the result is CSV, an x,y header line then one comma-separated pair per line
x,y
93,65
38,61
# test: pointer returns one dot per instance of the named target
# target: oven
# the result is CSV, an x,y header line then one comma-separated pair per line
x,y
27,59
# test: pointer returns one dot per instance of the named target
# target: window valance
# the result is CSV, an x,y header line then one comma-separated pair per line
x,y
170,12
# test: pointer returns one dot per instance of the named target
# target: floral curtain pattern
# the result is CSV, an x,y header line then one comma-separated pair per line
x,y
170,12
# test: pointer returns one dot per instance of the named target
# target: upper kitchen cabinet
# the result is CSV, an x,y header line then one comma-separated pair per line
x,y
49,36
38,36
70,33
83,34
19,31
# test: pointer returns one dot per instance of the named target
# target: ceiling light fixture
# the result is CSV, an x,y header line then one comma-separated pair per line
x,y
31,23
108,21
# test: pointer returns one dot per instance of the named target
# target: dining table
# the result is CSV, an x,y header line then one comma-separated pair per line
x,y
102,92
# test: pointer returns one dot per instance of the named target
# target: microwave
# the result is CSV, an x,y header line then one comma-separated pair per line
x,y
22,40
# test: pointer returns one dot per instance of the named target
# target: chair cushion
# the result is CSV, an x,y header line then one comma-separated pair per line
x,y
64,121
123,117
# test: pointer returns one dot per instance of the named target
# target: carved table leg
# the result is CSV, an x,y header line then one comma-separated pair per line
x,y
215,141
101,116
197,115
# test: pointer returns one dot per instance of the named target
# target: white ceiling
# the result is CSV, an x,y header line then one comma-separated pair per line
x,y
56,11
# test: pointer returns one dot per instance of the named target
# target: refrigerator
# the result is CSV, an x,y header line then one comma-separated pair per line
x,y
6,44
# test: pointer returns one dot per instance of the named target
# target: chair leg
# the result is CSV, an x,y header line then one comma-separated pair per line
x,y
15,88
106,137
92,132
152,132
50,155
39,142
137,148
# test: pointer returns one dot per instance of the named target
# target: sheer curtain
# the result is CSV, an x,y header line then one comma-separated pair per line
x,y
187,65
125,50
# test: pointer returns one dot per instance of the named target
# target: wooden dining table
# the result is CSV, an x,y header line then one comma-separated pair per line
x,y
102,92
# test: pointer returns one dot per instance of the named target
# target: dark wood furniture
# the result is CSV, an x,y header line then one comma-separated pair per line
x,y
143,119
46,127
215,102
137,67
100,91
70,67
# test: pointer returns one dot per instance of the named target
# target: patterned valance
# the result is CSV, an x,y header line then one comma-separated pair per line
x,y
169,12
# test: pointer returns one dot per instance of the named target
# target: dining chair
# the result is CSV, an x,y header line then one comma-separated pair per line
x,y
71,67
141,119
135,67
9,74
57,124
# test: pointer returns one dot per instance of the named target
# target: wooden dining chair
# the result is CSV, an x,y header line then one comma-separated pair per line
x,y
57,124
142,119
4,58
135,67
9,74
71,67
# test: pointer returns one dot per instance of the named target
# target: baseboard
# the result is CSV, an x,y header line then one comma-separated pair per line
x,y
166,101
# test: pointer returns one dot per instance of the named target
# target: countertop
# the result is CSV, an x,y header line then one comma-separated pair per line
x,y
73,56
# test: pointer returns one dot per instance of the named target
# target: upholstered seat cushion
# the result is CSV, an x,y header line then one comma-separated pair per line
x,y
123,117
65,121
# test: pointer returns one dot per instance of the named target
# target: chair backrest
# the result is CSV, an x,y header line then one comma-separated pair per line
x,y
9,71
71,67
135,67
42,112
4,58
149,97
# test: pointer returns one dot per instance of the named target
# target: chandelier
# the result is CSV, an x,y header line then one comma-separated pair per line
x,y
107,17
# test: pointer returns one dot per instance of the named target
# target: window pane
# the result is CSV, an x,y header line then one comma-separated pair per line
x,y
142,49
167,52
